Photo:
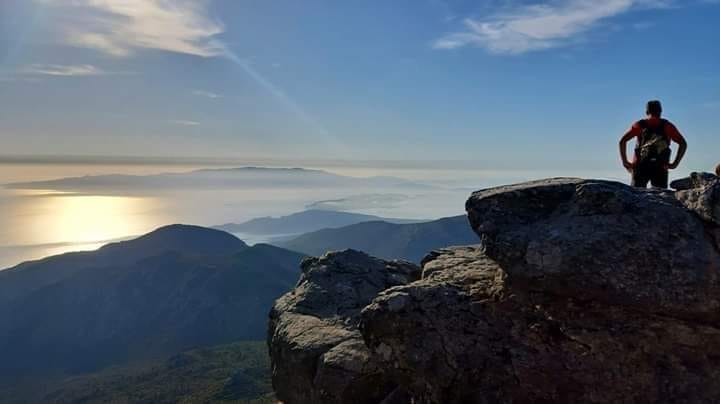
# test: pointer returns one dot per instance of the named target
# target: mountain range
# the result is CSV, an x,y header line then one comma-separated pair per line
x,y
304,222
175,288
410,241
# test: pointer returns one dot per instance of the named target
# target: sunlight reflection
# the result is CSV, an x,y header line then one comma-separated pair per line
x,y
35,224
84,219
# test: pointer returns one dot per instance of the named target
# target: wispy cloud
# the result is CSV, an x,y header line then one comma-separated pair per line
x,y
184,122
122,27
537,27
277,92
119,27
62,70
206,94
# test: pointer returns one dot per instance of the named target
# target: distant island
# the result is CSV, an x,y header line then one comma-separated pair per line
x,y
243,177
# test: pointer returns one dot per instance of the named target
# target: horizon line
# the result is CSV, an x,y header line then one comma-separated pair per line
x,y
225,161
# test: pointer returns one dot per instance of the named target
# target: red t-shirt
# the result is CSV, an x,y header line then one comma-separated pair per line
x,y
670,130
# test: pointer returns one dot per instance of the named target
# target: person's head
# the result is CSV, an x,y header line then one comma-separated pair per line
x,y
654,108
717,170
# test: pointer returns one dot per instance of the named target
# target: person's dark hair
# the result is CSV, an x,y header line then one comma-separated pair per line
x,y
717,170
654,108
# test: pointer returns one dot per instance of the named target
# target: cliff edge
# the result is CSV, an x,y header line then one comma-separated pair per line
x,y
579,291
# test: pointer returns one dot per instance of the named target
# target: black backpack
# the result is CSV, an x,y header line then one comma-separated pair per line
x,y
654,144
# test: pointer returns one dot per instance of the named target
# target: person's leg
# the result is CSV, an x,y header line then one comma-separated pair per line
x,y
660,178
640,177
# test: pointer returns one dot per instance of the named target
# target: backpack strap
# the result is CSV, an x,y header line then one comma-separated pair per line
x,y
643,123
663,128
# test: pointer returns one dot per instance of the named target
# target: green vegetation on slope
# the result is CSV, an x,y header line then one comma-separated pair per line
x,y
234,373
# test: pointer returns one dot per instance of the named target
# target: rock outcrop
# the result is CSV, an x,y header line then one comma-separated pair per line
x,y
602,240
579,291
700,193
318,355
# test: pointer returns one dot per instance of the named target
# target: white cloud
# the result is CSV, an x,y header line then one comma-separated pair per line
x,y
207,94
62,70
119,27
540,26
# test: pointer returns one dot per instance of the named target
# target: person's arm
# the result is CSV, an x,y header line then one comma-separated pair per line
x,y
631,133
678,138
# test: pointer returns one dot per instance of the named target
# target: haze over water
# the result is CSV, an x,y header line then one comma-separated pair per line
x,y
38,223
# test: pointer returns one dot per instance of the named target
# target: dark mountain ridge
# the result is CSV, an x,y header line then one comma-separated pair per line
x,y
387,240
196,240
173,289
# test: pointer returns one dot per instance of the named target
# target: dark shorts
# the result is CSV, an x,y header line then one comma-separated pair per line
x,y
655,174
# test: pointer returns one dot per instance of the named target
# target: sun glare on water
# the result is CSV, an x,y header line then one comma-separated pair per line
x,y
88,220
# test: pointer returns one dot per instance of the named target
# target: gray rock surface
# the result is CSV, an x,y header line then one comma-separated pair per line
x,y
317,352
466,333
700,193
579,291
602,240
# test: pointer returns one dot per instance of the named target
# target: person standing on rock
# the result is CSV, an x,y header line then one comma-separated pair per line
x,y
651,160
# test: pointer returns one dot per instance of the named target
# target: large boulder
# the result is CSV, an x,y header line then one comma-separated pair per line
x,y
317,352
604,241
580,291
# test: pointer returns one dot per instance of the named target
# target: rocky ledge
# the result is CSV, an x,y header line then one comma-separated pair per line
x,y
579,291
318,354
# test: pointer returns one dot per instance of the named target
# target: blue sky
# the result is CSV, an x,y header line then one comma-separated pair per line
x,y
506,84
